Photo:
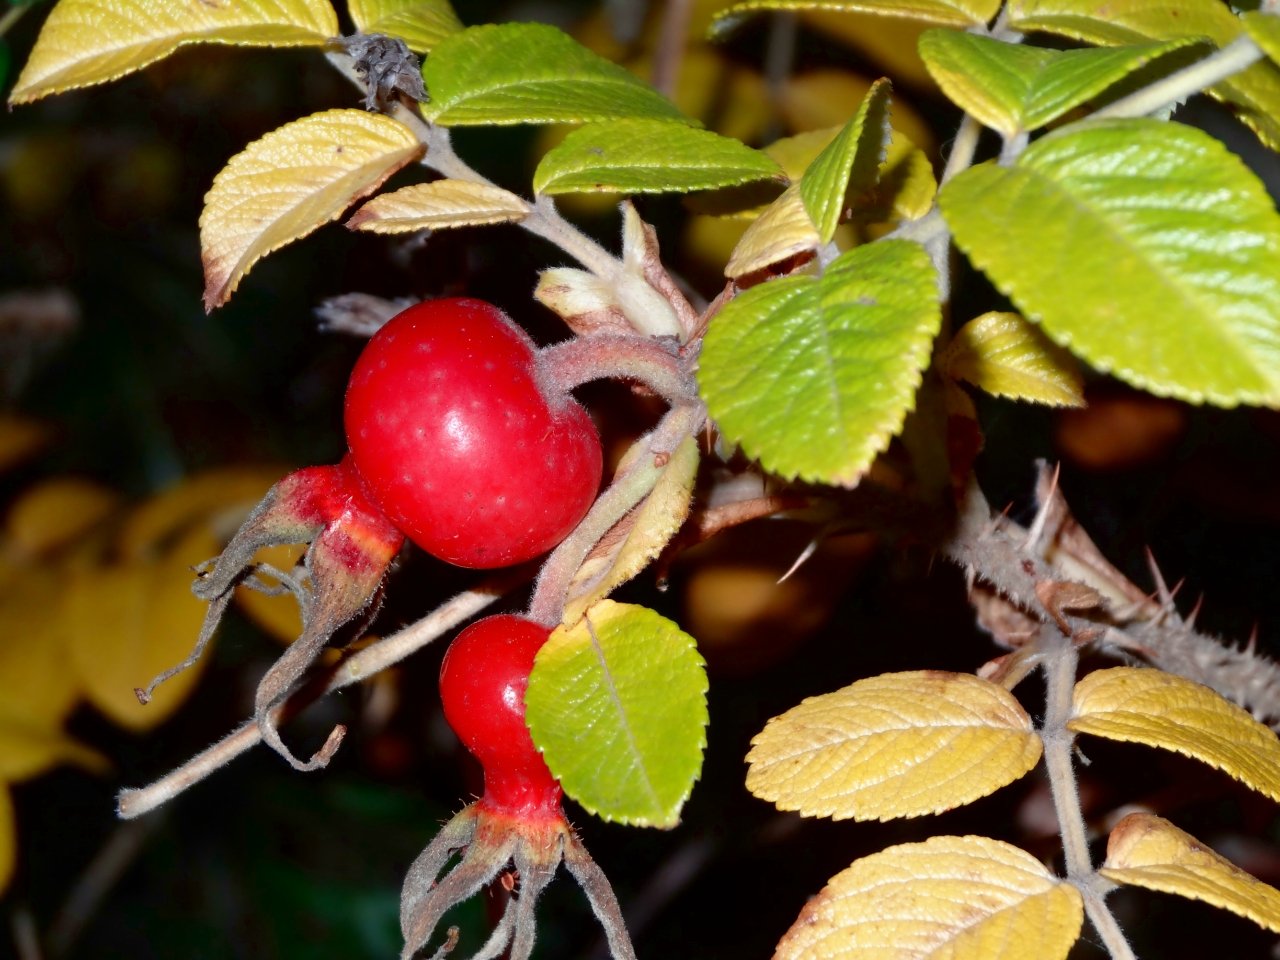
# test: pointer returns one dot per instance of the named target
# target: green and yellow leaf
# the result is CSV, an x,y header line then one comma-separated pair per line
x,y
92,41
1254,93
1013,87
38,686
293,180
654,524
954,13
438,205
421,24
1005,355
1264,28
782,231
814,375
850,164
648,156
1147,851
532,73
29,748
128,623
1163,251
1167,711
962,898
896,745
617,704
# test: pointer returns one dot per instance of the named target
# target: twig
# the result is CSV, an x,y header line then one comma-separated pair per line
x,y
671,45
133,803
1238,55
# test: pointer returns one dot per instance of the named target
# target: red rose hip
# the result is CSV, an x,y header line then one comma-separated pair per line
x,y
461,443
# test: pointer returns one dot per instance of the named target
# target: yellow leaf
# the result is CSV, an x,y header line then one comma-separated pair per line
x,y
421,24
896,745
29,749
1147,851
229,492
20,439
888,40
277,614
8,838
128,623
442,203
56,512
784,230
958,898
36,683
656,522
293,180
1005,355
1163,710
92,41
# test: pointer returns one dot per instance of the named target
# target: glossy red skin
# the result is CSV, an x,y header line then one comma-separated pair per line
x,y
455,439
482,684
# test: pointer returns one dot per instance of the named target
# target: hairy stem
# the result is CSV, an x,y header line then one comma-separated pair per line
x,y
609,356
132,803
1238,55
627,490
1060,663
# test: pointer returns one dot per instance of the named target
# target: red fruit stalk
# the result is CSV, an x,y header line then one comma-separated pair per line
x,y
518,822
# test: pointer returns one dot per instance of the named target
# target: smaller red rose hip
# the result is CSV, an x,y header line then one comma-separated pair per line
x,y
482,684
462,443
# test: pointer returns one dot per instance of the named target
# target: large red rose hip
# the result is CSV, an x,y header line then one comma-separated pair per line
x,y
460,442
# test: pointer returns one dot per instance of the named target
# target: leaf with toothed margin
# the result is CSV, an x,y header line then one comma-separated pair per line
x,y
617,704
421,24
814,375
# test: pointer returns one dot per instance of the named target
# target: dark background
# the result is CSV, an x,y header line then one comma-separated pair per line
x,y
101,193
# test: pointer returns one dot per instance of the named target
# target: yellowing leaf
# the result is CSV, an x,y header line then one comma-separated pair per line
x,y
784,230
1164,710
421,24
828,98
28,749
1148,851
92,41
232,491
128,623
8,838
656,522
955,13
958,898
56,512
20,439
897,745
296,178
1005,355
37,684
433,206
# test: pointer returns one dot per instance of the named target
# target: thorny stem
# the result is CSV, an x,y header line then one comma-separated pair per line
x,y
627,490
1238,55
132,803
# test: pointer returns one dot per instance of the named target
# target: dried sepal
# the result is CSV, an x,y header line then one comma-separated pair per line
x,y
351,547
491,844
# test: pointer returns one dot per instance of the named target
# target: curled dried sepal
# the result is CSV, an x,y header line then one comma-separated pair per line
x,y
490,842
351,546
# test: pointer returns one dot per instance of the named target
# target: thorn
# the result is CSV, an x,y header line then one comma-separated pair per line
x,y
1195,612
1036,530
1251,647
1162,589
805,554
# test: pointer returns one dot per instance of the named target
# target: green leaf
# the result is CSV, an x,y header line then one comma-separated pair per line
x,y
1007,356
531,73
1264,28
814,375
421,24
1254,93
953,13
1145,247
1012,87
617,703
648,156
850,164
